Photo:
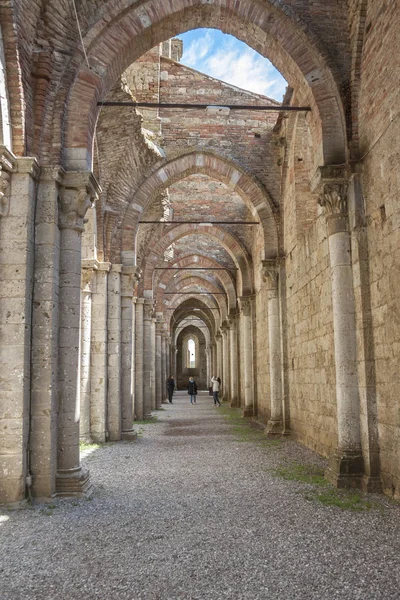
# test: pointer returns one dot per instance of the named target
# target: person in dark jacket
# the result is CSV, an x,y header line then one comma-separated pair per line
x,y
170,388
192,390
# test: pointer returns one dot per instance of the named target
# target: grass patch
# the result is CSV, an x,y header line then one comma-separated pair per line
x,y
149,421
245,432
345,500
161,408
305,473
83,446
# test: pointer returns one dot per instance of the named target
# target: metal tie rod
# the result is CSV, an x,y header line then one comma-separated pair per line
x,y
207,223
266,107
194,292
195,269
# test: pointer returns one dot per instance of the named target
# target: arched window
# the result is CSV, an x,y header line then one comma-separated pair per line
x,y
191,354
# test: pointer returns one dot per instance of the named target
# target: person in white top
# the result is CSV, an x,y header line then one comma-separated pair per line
x,y
215,389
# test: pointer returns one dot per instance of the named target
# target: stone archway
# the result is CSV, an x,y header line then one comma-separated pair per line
x,y
120,34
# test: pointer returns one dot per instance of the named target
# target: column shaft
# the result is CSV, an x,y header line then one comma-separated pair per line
x,y
139,359
86,329
98,374
159,383
114,354
126,354
74,201
147,356
234,364
346,466
153,365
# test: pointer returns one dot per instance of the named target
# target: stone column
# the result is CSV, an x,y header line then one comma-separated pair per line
x,y
128,279
139,412
208,357
226,382
164,366
153,364
114,354
275,424
17,208
147,355
45,314
245,307
85,346
218,341
159,382
233,354
75,199
99,358
346,467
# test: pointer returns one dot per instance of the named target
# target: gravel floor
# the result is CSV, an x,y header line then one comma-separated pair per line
x,y
190,512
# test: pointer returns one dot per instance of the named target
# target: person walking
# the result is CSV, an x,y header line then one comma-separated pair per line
x,y
170,388
192,390
215,382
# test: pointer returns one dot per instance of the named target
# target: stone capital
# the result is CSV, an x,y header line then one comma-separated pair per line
x,y
245,304
331,184
148,310
270,273
78,193
28,165
133,272
8,165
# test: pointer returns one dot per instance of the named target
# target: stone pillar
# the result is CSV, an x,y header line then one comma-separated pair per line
x,y
226,382
17,209
218,341
346,467
85,346
147,355
153,365
139,359
99,358
159,382
164,366
128,279
78,190
245,307
114,354
275,424
44,402
233,354
208,357
214,360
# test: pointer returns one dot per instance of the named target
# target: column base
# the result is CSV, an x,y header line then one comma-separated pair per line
x,y
73,482
346,469
234,404
248,411
274,428
128,436
372,485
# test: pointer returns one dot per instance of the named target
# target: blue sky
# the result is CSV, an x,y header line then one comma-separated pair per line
x,y
224,57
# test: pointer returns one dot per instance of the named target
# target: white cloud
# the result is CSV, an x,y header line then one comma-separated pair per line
x,y
233,62
197,50
245,69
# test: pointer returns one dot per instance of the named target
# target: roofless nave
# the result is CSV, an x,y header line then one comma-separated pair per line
x,y
268,238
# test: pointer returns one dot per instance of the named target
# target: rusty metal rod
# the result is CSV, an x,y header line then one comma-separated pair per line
x,y
278,108
195,269
204,222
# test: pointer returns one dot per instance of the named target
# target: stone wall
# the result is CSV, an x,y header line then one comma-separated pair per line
x,y
379,127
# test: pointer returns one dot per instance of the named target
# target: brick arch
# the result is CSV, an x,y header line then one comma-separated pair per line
x,y
196,280
206,305
190,330
123,32
224,278
165,174
177,232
